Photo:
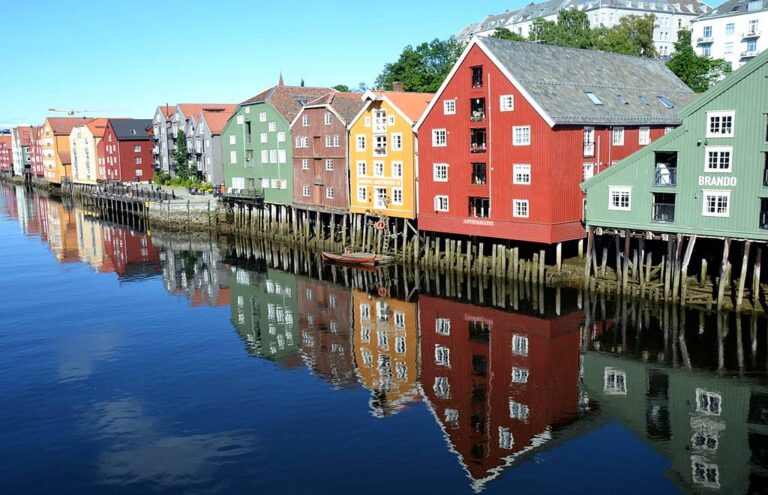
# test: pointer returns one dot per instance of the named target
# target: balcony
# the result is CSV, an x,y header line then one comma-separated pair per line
x,y
477,110
477,141
705,40
749,53
380,151
664,212
752,33
665,177
155,150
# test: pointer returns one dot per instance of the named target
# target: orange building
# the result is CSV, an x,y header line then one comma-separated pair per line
x,y
57,161
386,351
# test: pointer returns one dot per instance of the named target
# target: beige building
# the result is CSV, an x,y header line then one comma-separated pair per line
x,y
83,141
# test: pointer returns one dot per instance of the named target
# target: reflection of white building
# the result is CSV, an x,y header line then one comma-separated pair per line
x,y
732,31
670,17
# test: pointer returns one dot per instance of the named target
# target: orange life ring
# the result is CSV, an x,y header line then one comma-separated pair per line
x,y
381,225
382,292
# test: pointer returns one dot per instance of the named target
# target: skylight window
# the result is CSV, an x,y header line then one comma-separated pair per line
x,y
622,99
665,101
643,100
593,98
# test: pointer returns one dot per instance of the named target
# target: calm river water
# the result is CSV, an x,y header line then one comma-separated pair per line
x,y
135,363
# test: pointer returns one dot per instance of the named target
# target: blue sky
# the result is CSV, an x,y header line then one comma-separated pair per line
x,y
124,58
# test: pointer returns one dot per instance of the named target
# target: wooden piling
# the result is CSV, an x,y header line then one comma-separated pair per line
x,y
743,275
723,267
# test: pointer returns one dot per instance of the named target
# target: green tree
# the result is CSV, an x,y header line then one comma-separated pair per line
x,y
506,34
180,155
632,36
571,30
341,87
698,72
422,68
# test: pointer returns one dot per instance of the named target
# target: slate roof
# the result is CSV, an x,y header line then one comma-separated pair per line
x,y
347,105
733,7
131,129
557,79
287,99
62,126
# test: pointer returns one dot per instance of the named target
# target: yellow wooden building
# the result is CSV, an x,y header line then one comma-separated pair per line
x,y
382,154
57,162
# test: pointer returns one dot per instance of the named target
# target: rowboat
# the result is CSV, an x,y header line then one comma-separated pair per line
x,y
362,259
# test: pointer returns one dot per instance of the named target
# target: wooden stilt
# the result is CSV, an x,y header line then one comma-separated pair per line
x,y
590,249
756,278
684,270
743,275
723,268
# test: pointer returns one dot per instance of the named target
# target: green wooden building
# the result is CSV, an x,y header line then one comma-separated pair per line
x,y
257,146
706,178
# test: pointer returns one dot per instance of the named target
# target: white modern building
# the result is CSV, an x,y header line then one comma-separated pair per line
x,y
671,16
732,31
21,145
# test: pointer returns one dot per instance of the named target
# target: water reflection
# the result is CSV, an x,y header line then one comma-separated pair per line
x,y
506,373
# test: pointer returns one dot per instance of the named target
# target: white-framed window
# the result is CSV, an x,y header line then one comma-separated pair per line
x,y
329,165
305,163
518,411
272,126
136,149
442,356
705,473
329,193
439,138
449,107
305,191
716,203
506,439
329,141
262,116
667,130
519,375
264,156
232,139
365,312
443,326
589,141
233,157
400,349
614,381
305,120
272,156
328,118
644,136
521,174
360,142
720,124
282,156
588,171
397,141
719,159
520,345
336,141
362,194
380,199
705,439
520,208
281,137
378,169
397,169
708,402
240,119
620,198
264,137
451,415
441,203
397,195
399,319
506,103
380,145
521,135
441,387
618,136
361,168
440,172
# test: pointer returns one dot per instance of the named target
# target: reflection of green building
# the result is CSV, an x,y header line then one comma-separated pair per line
x,y
714,430
265,313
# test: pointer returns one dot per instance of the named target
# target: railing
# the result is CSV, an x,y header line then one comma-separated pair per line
x,y
764,219
748,53
246,193
663,212
477,148
705,39
589,149
665,177
754,33
478,116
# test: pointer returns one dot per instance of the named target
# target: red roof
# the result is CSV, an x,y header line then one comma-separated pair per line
x,y
62,126
217,120
193,109
5,140
98,127
168,110
411,104
24,135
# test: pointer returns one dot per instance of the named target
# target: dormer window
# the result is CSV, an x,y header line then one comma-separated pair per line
x,y
477,77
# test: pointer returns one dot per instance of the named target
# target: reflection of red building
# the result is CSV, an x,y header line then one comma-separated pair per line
x,y
132,253
497,382
325,324
10,208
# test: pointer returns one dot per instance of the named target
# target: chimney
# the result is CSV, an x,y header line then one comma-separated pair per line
x,y
397,86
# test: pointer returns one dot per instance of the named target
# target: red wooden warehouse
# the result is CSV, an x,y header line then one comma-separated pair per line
x,y
36,152
516,127
125,151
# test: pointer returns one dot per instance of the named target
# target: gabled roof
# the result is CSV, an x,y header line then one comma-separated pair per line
x,y
23,135
410,106
193,109
287,100
166,110
5,140
217,120
62,126
735,7
558,83
97,127
131,129
344,105
726,84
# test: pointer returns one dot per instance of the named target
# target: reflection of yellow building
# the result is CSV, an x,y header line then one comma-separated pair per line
x,y
386,351
382,154
90,242
62,233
